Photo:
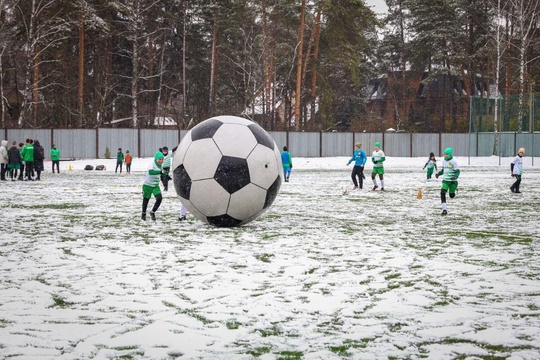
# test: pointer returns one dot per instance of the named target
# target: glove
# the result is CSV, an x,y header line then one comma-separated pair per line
x,y
437,175
348,163
453,178
291,166
513,175
375,161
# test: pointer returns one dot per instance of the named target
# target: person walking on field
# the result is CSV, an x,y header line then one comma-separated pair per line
x,y
55,158
516,169
359,157
151,186
286,161
14,156
377,158
430,165
4,160
128,161
450,172
119,160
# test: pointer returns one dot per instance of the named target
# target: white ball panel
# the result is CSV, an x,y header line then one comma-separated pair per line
x,y
209,197
193,210
263,166
180,152
202,159
235,140
280,164
246,202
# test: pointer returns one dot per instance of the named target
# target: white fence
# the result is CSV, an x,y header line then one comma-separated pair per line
x,y
89,144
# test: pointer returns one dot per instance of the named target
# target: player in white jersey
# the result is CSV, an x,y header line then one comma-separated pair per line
x,y
450,172
377,158
516,169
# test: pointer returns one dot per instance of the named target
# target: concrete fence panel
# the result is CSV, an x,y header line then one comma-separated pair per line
x,y
305,144
336,144
458,142
127,139
423,144
78,144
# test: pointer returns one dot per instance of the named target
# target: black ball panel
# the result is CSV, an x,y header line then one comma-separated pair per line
x,y
232,173
262,136
272,192
205,130
182,181
223,221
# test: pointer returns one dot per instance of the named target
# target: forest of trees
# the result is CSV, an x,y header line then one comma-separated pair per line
x,y
294,65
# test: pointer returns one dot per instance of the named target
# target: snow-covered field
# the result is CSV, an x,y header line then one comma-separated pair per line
x,y
320,275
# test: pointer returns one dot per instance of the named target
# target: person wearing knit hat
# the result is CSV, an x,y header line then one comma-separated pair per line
x,y
151,186
430,165
359,157
377,158
516,169
450,172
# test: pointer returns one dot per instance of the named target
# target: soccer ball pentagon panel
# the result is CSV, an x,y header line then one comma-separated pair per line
x,y
227,171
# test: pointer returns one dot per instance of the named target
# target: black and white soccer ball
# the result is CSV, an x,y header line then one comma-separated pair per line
x,y
227,171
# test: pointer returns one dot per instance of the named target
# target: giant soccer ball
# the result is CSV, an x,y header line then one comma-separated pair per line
x,y
227,170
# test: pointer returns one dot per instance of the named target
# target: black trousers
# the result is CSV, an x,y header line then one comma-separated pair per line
x,y
57,164
358,172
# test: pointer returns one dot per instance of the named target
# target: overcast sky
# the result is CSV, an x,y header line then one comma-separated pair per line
x,y
379,6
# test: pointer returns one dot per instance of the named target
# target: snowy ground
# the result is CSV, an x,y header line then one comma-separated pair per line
x,y
320,275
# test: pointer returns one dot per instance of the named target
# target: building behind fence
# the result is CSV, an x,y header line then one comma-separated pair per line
x,y
95,143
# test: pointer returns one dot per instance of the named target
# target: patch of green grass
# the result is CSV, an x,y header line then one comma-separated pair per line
x,y
4,323
272,331
60,302
257,352
264,257
193,314
232,324
289,355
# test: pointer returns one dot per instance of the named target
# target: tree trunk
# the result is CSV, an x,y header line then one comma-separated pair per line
x,y
35,89
317,31
298,95
80,96
213,66
135,69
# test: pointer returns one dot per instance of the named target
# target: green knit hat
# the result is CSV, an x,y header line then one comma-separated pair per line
x,y
448,151
159,155
378,144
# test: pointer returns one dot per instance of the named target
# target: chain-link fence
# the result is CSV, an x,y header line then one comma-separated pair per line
x,y
515,113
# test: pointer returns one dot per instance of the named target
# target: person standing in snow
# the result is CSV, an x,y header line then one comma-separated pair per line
x,y
128,161
451,172
14,156
4,160
377,158
55,158
119,160
28,157
359,157
430,165
516,169
39,156
151,186
286,161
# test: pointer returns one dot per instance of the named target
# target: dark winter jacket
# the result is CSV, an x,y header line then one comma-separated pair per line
x,y
39,155
14,155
